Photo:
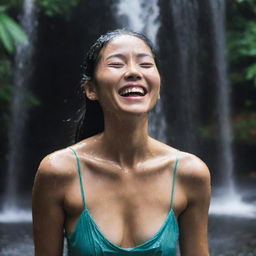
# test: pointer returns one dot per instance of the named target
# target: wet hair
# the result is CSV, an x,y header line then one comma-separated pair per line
x,y
91,119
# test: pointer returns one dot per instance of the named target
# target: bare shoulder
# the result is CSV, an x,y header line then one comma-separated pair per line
x,y
54,176
56,171
193,175
58,164
63,163
192,167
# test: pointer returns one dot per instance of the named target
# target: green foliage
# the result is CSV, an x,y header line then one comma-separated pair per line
x,y
57,7
242,46
10,35
5,78
14,4
248,3
5,92
205,131
32,100
6,86
10,32
245,128
242,41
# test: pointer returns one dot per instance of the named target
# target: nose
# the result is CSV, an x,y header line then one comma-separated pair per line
x,y
132,73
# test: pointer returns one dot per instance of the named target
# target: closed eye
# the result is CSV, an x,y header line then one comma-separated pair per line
x,y
146,64
116,64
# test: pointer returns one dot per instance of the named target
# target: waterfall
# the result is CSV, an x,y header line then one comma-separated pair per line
x,y
223,93
184,18
141,16
22,73
229,201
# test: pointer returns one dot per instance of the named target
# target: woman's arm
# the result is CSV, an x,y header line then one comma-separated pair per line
x,y
193,222
47,208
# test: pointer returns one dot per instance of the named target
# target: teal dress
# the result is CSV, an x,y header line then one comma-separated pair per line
x,y
88,240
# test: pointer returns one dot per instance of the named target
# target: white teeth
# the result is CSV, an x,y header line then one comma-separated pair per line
x,y
128,90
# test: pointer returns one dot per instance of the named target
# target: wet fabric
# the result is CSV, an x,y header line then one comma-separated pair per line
x,y
88,240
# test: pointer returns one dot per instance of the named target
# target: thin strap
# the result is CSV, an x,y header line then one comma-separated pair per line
x,y
174,177
80,175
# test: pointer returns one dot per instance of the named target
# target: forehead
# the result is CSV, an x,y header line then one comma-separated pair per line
x,y
125,44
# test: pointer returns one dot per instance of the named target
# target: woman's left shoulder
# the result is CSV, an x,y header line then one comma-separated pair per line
x,y
193,173
192,166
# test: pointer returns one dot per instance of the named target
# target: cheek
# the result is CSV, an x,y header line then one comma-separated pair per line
x,y
102,82
103,90
107,78
155,79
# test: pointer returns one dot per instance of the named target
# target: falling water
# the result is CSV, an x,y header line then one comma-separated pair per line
x,y
184,16
223,93
229,201
22,73
141,16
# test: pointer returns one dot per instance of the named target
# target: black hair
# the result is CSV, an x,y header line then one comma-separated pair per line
x,y
91,119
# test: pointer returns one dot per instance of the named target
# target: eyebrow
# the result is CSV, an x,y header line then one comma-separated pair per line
x,y
122,56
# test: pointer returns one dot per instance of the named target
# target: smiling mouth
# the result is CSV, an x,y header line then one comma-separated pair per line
x,y
132,91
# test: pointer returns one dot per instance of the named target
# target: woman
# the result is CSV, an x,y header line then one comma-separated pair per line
x,y
121,192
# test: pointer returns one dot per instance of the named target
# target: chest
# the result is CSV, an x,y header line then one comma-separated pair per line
x,y
128,211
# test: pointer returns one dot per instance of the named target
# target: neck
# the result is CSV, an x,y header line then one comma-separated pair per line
x,y
126,139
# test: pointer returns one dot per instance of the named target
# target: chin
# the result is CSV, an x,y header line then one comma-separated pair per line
x,y
134,107
137,110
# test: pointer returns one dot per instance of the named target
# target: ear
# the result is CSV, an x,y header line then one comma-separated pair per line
x,y
90,91
159,94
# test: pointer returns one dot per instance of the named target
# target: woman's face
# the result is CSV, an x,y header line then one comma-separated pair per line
x,y
126,77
